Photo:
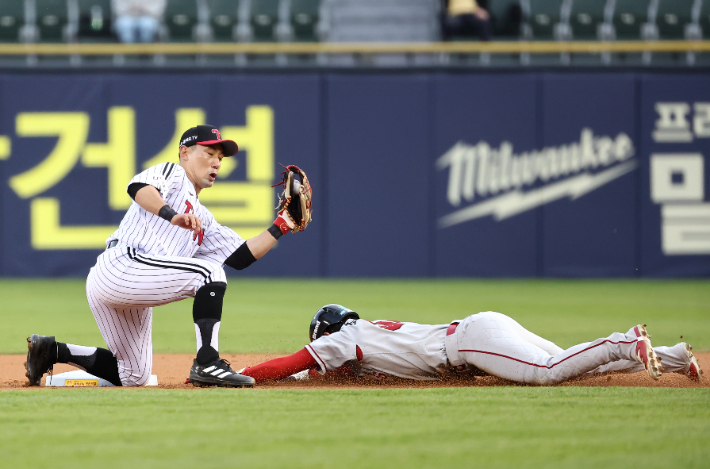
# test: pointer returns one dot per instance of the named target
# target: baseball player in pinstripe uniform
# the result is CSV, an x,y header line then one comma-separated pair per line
x,y
168,247
488,342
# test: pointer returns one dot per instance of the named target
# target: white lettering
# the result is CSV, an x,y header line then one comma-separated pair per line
x,y
677,177
529,175
453,158
504,157
515,202
685,229
516,171
604,149
483,177
469,173
483,171
701,120
564,154
624,147
575,158
589,158
672,125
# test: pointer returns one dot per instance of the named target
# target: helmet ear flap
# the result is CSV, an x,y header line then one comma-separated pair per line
x,y
317,329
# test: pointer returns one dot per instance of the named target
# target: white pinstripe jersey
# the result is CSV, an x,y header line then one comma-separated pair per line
x,y
404,349
149,234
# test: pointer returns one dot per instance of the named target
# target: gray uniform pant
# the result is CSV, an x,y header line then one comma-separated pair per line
x,y
500,346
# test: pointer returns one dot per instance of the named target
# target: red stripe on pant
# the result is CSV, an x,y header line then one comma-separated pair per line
x,y
544,366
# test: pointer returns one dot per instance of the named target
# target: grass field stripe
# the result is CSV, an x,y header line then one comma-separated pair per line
x,y
585,427
553,365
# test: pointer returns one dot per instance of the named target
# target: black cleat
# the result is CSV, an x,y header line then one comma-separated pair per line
x,y
218,373
39,359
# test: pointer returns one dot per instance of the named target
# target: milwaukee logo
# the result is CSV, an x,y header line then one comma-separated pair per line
x,y
509,184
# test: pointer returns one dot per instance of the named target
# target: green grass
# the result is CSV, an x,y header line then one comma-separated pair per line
x,y
558,427
273,315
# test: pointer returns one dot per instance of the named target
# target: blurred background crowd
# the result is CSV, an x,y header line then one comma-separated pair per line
x,y
350,20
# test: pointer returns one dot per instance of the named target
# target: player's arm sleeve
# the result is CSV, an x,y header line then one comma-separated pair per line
x,y
158,176
241,258
220,243
280,368
134,188
332,351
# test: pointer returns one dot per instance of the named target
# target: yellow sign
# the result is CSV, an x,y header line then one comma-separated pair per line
x,y
82,383
246,206
5,147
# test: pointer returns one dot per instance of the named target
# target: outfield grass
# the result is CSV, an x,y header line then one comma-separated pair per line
x,y
558,427
273,315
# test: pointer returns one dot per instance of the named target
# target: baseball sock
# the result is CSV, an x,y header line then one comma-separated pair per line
x,y
97,361
207,314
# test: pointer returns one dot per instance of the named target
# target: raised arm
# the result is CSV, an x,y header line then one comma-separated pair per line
x,y
294,214
261,243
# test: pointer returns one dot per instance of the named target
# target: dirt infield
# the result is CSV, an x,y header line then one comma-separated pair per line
x,y
173,369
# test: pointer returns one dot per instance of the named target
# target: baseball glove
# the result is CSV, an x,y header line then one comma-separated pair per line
x,y
295,200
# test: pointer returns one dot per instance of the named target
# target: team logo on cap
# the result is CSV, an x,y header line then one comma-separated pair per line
x,y
215,131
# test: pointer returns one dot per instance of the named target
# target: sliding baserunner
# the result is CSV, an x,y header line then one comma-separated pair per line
x,y
490,342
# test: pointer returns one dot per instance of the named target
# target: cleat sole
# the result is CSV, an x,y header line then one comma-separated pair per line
x,y
645,353
220,384
694,372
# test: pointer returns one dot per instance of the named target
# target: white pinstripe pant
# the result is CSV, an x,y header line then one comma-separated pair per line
x,y
122,289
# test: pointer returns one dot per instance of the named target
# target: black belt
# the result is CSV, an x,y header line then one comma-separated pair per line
x,y
112,244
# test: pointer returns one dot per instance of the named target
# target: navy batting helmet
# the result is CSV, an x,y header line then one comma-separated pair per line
x,y
330,318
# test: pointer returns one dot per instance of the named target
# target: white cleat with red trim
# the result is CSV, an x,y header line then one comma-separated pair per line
x,y
694,372
645,353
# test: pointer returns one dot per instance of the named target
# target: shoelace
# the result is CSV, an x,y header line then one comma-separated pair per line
x,y
226,365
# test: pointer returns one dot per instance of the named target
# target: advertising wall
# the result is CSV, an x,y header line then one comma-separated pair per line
x,y
414,173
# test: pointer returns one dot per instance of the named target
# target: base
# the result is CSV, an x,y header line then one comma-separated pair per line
x,y
82,379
